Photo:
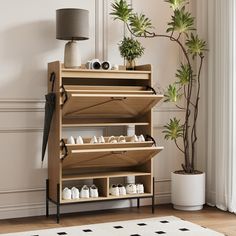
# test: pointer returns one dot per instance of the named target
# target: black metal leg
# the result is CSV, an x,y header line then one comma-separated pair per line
x,y
58,203
47,197
153,196
138,202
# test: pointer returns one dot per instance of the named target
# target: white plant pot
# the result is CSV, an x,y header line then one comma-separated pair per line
x,y
188,191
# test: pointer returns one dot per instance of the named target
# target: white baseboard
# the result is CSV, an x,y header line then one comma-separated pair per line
x,y
38,209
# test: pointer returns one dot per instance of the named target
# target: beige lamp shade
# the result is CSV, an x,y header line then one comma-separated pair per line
x,y
72,24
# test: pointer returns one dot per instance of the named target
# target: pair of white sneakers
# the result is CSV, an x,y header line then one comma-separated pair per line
x,y
117,190
72,140
100,139
85,192
136,138
135,188
68,194
113,139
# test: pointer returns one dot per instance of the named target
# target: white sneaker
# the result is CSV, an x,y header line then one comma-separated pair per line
x,y
140,188
101,139
74,193
79,140
93,191
112,139
84,192
71,140
66,194
131,189
114,190
134,138
141,138
122,190
121,139
93,140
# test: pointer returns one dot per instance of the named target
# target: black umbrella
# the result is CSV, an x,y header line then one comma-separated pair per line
x,y
49,109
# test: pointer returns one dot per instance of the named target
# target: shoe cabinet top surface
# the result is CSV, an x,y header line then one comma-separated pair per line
x,y
141,73
106,74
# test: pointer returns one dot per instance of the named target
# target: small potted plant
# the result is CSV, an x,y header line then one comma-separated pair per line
x,y
130,49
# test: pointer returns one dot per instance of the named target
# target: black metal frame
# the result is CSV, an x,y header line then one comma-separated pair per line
x,y
58,204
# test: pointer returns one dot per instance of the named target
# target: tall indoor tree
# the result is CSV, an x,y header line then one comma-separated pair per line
x,y
187,84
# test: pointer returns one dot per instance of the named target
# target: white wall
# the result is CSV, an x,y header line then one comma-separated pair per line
x,y
27,44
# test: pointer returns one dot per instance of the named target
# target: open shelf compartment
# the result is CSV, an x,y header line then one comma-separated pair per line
x,y
103,180
101,184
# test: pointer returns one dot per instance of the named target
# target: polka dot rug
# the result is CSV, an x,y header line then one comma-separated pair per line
x,y
165,226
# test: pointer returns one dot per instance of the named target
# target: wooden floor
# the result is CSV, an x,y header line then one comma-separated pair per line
x,y
209,217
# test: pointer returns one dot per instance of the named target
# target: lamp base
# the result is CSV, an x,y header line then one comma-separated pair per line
x,y
72,58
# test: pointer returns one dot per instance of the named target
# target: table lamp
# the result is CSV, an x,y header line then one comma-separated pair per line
x,y
72,24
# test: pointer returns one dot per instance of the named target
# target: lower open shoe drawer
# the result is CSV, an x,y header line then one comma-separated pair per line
x,y
116,157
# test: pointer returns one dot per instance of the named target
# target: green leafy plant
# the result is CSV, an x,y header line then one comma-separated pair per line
x,y
176,4
186,86
172,94
131,49
122,11
181,22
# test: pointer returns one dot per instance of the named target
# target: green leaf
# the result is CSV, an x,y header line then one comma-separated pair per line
x,y
196,46
131,48
140,24
172,94
173,130
181,22
176,4
121,10
183,75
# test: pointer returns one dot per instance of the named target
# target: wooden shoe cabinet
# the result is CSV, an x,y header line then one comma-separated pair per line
x,y
99,98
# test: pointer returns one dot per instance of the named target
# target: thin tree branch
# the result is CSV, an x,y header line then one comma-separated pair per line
x,y
181,108
179,36
178,146
194,131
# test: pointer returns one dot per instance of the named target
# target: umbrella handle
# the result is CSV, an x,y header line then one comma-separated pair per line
x,y
64,93
151,88
64,147
52,79
150,137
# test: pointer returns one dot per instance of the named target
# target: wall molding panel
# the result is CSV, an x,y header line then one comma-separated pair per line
x,y
22,190
168,109
21,130
22,105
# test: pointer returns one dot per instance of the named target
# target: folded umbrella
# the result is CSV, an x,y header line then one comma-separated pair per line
x,y
49,109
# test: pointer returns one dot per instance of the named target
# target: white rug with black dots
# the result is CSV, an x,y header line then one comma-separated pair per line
x,y
145,227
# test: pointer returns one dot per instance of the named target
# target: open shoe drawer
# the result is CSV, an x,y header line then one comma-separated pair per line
x,y
111,102
87,145
109,157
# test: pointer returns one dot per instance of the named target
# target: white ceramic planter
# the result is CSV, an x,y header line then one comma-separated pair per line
x,y
188,191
